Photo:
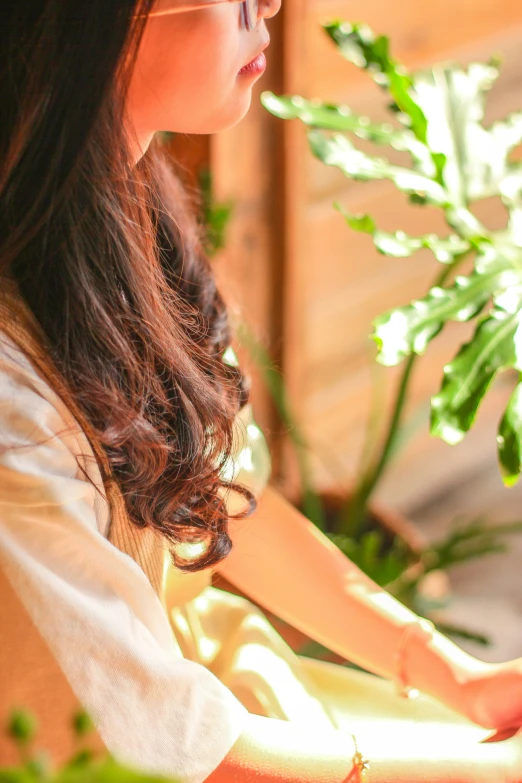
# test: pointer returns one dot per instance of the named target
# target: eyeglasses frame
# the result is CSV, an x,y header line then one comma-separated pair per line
x,y
245,14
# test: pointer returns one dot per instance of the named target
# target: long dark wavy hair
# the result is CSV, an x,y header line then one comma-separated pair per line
x,y
108,256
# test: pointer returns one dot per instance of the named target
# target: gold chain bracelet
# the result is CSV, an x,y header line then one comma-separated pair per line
x,y
361,766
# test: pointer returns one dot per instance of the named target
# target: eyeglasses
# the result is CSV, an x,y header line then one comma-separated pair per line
x,y
249,10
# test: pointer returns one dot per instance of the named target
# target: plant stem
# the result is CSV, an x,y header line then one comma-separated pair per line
x,y
356,509
353,515
312,505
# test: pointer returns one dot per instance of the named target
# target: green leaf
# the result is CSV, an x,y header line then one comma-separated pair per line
x,y
312,649
508,132
83,758
338,151
371,544
509,439
476,158
40,766
406,330
467,226
341,118
464,542
82,724
22,725
464,634
511,193
444,108
496,345
384,564
400,245
358,44
108,771
215,216
15,775
363,223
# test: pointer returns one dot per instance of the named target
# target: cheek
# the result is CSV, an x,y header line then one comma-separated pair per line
x,y
186,69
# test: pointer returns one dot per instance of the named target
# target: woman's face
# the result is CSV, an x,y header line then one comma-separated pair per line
x,y
186,76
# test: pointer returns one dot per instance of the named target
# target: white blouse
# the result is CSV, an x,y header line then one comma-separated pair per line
x,y
92,603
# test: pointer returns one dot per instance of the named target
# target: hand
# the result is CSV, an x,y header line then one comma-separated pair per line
x,y
493,696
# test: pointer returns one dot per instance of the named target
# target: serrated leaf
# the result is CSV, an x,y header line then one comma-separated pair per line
x,y
510,189
452,100
341,118
509,439
496,345
466,224
401,245
358,44
338,151
508,132
406,330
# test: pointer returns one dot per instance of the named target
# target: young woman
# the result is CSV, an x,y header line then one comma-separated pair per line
x,y
117,421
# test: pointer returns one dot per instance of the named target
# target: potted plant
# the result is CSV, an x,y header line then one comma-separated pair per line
x,y
436,117
83,767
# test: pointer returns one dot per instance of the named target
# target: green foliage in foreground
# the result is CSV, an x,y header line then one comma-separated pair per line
x,y
456,161
83,767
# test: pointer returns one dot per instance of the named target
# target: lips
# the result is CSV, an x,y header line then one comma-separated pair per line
x,y
264,46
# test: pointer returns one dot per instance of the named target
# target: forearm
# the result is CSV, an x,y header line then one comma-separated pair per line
x,y
284,563
274,751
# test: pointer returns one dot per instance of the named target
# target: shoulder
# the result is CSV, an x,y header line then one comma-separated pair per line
x,y
39,435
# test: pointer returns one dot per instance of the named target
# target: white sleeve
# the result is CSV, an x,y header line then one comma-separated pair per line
x,y
93,605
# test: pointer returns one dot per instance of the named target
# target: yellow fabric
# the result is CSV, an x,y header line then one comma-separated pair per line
x,y
235,640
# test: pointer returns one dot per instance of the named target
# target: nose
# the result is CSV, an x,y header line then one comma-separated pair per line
x,y
269,8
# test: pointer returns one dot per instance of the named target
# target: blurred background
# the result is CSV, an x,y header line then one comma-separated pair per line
x,y
308,287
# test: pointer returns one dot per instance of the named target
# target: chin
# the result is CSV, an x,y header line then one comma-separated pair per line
x,y
230,114
235,114
226,118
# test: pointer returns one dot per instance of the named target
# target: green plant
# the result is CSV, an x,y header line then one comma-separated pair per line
x,y
456,162
83,767
436,117
215,215
389,565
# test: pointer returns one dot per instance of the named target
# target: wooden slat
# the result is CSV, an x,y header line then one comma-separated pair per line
x,y
292,183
